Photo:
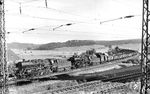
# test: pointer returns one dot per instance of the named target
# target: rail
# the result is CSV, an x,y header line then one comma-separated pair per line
x,y
96,86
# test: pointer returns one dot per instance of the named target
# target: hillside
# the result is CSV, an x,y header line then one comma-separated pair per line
x,y
118,42
70,43
74,43
16,45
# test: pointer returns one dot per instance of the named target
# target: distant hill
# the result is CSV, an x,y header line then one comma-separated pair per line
x,y
16,45
70,43
74,43
119,42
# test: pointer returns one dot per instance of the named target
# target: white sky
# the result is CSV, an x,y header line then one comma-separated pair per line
x,y
86,14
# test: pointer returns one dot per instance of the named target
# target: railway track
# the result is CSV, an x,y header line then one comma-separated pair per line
x,y
99,86
124,77
96,86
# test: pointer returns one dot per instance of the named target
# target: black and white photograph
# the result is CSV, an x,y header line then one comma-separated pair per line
x,y
74,47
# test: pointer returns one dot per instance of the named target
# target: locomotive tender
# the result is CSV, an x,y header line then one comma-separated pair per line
x,y
27,69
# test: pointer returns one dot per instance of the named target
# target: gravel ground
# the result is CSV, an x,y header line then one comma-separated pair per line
x,y
30,88
34,88
131,88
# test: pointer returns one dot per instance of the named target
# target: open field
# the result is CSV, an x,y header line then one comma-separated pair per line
x,y
56,53
38,87
65,52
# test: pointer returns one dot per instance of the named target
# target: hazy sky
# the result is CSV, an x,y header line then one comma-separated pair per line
x,y
85,14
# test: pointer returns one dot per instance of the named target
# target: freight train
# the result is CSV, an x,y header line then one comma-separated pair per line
x,y
27,69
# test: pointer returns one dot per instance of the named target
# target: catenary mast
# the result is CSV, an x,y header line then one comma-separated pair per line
x,y
3,62
145,60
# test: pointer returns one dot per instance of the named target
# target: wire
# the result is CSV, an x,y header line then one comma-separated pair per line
x,y
125,17
55,19
68,24
77,32
30,1
31,29
69,13
26,15
60,11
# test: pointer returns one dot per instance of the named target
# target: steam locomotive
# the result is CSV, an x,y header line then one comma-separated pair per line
x,y
36,67
27,69
91,57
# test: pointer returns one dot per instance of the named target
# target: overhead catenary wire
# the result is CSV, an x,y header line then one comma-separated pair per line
x,y
55,19
65,32
73,21
30,1
71,14
114,36
68,24
58,10
129,16
24,2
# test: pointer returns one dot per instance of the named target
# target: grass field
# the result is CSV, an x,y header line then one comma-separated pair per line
x,y
56,53
67,51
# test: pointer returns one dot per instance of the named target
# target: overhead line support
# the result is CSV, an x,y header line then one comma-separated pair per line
x,y
145,59
3,62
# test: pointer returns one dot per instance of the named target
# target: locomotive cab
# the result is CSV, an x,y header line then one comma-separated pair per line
x,y
19,65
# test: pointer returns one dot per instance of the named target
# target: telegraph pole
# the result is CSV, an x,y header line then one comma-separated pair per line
x,y
3,62
145,60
